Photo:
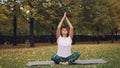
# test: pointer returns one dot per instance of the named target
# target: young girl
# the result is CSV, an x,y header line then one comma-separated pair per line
x,y
64,41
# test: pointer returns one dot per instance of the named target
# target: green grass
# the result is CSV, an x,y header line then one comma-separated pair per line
x,y
17,57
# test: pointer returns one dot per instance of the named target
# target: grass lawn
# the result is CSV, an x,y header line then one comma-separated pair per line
x,y
17,57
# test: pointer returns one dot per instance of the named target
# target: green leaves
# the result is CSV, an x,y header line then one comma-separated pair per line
x,y
97,16
3,13
3,18
114,8
87,15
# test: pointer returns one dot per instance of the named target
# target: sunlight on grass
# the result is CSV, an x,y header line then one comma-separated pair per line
x,y
17,58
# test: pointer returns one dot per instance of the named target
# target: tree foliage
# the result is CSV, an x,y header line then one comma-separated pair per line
x,y
89,17
114,8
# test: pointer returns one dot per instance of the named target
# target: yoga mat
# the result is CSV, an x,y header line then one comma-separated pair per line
x,y
77,62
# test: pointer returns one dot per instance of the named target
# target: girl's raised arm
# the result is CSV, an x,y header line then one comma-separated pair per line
x,y
71,28
59,26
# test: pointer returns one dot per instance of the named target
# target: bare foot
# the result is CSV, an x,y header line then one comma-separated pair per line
x,y
64,63
61,63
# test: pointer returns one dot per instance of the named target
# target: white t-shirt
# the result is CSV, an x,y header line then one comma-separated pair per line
x,y
64,46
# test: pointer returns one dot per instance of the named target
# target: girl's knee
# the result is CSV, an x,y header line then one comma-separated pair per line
x,y
77,53
53,57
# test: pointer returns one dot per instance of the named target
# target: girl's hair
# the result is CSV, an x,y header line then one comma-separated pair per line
x,y
66,29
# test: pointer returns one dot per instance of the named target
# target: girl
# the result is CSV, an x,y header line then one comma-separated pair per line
x,y
64,41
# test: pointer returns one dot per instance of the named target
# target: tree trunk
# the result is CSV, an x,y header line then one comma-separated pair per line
x,y
74,39
116,35
14,30
112,37
31,32
97,37
52,36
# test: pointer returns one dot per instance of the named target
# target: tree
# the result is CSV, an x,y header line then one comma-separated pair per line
x,y
114,9
96,17
30,15
89,17
3,19
14,8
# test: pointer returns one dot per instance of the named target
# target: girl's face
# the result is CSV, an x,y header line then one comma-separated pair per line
x,y
64,31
